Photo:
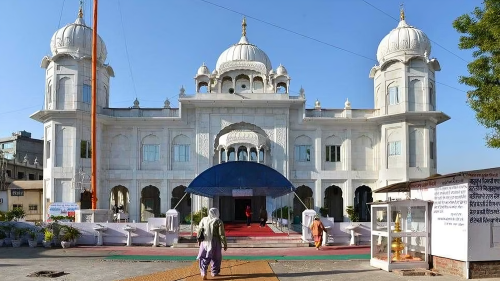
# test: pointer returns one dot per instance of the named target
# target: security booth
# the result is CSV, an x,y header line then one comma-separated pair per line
x,y
400,234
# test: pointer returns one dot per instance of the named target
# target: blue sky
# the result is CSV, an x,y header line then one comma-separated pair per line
x,y
167,40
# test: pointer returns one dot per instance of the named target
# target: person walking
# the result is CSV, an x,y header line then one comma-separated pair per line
x,y
317,229
211,239
263,217
248,213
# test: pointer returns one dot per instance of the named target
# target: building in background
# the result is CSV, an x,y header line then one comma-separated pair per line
x,y
20,159
242,110
27,195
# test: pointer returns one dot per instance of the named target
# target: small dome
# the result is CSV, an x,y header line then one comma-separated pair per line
x,y
317,104
347,104
214,72
244,51
75,39
271,72
281,70
203,70
403,40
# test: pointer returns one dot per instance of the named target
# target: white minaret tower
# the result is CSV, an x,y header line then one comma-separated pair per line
x,y
66,113
404,89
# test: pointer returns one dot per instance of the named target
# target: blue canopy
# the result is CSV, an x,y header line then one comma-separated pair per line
x,y
222,179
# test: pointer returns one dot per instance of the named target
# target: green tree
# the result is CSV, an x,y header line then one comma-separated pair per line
x,y
481,33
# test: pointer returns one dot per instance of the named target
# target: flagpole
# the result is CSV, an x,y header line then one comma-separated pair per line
x,y
93,116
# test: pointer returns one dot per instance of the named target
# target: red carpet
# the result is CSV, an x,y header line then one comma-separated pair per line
x,y
241,230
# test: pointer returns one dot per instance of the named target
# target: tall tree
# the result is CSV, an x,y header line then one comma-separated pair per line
x,y
481,33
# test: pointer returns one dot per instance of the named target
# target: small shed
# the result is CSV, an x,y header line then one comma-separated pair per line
x,y
465,220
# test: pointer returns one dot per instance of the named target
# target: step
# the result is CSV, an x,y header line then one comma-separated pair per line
x,y
254,244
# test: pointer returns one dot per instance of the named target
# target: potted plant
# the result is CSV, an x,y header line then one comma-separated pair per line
x,y
47,240
7,229
323,212
72,233
18,232
56,231
2,237
66,240
352,214
32,239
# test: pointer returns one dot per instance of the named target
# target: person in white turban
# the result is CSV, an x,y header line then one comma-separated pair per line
x,y
214,240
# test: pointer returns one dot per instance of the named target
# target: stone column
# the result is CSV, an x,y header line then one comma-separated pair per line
x,y
248,154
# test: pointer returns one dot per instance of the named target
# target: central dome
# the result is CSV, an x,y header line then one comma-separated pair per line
x,y
244,51
403,40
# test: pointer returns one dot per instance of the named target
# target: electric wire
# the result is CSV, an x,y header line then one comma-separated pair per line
x,y
60,15
126,50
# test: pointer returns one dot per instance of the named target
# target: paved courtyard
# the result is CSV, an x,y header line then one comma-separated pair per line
x,y
91,264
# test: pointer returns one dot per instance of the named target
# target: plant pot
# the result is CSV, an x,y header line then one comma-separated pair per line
x,y
16,243
73,242
65,244
56,241
32,243
40,237
47,244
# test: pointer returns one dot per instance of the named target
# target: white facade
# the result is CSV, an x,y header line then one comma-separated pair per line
x,y
164,148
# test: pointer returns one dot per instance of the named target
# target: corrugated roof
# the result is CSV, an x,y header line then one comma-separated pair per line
x,y
405,186
26,185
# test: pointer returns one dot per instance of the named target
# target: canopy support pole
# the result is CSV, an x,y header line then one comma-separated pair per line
x,y
177,205
300,200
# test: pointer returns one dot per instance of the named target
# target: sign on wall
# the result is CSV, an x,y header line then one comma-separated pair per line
x,y
242,192
17,192
449,219
66,209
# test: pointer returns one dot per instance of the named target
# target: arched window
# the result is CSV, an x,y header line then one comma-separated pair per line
x,y
281,88
253,154
203,87
227,84
242,153
261,155
223,155
231,154
258,84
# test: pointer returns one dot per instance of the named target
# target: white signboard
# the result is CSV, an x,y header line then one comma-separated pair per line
x,y
242,192
449,220
66,209
484,216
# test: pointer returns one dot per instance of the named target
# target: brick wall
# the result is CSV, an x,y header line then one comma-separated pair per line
x,y
477,269
484,269
449,266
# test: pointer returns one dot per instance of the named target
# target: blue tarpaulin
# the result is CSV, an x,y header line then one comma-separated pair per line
x,y
221,179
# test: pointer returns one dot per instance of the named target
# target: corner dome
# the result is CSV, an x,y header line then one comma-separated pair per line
x,y
244,51
203,70
404,40
281,70
75,39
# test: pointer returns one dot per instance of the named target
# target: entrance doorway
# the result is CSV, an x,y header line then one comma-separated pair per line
x,y
240,205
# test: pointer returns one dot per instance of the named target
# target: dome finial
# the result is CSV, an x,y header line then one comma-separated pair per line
x,y
80,11
402,12
244,27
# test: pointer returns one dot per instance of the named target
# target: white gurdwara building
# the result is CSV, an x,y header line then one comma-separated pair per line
x,y
240,111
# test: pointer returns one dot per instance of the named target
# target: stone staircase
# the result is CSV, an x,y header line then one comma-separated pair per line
x,y
292,241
